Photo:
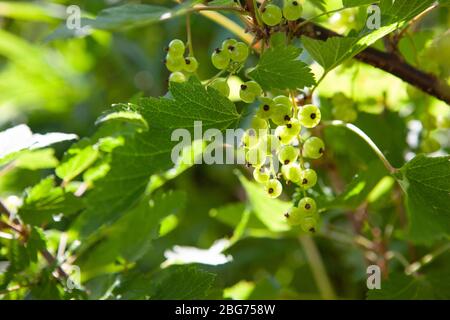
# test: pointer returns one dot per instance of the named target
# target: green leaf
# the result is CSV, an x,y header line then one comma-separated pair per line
x,y
185,282
426,183
269,211
335,50
320,4
149,152
36,159
122,17
131,236
280,68
45,200
357,3
78,159
429,286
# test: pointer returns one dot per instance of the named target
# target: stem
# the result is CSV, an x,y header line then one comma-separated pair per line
x,y
317,268
201,7
301,24
189,35
367,139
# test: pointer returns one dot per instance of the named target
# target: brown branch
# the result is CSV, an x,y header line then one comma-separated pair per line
x,y
388,62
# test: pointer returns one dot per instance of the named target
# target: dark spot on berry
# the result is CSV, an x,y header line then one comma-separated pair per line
x,y
187,61
289,125
263,10
305,181
279,138
287,118
231,47
166,49
295,3
286,214
270,190
165,61
307,206
243,87
312,230
266,107
217,50
313,116
321,150
286,161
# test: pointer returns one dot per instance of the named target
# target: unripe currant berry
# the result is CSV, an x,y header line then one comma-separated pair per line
x,y
226,44
283,135
271,15
259,124
190,64
261,175
174,63
265,109
309,116
307,206
288,154
249,139
293,127
221,85
292,10
293,216
249,91
177,48
269,144
177,77
313,148
291,172
238,52
273,188
281,114
308,179
220,59
255,156
283,100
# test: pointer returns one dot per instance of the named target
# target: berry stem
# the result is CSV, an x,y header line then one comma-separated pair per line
x,y
367,139
317,267
189,34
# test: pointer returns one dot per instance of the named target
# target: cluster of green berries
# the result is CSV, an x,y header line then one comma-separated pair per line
x,y
176,62
272,15
286,146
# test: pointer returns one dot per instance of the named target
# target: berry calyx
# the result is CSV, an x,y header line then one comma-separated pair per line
x,y
308,179
190,64
288,154
273,188
309,116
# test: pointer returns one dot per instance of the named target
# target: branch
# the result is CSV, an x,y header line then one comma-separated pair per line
x,y
388,62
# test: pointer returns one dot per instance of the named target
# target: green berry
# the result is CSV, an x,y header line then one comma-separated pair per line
x,y
291,172
177,48
259,124
309,224
269,144
255,156
238,52
308,179
249,139
281,114
293,127
271,15
292,10
221,85
283,135
309,116
220,59
190,64
283,100
177,77
288,154
294,216
227,43
261,175
265,108
174,63
313,148
273,188
307,206
249,91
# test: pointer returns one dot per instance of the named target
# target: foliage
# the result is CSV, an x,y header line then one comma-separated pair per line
x,y
102,212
